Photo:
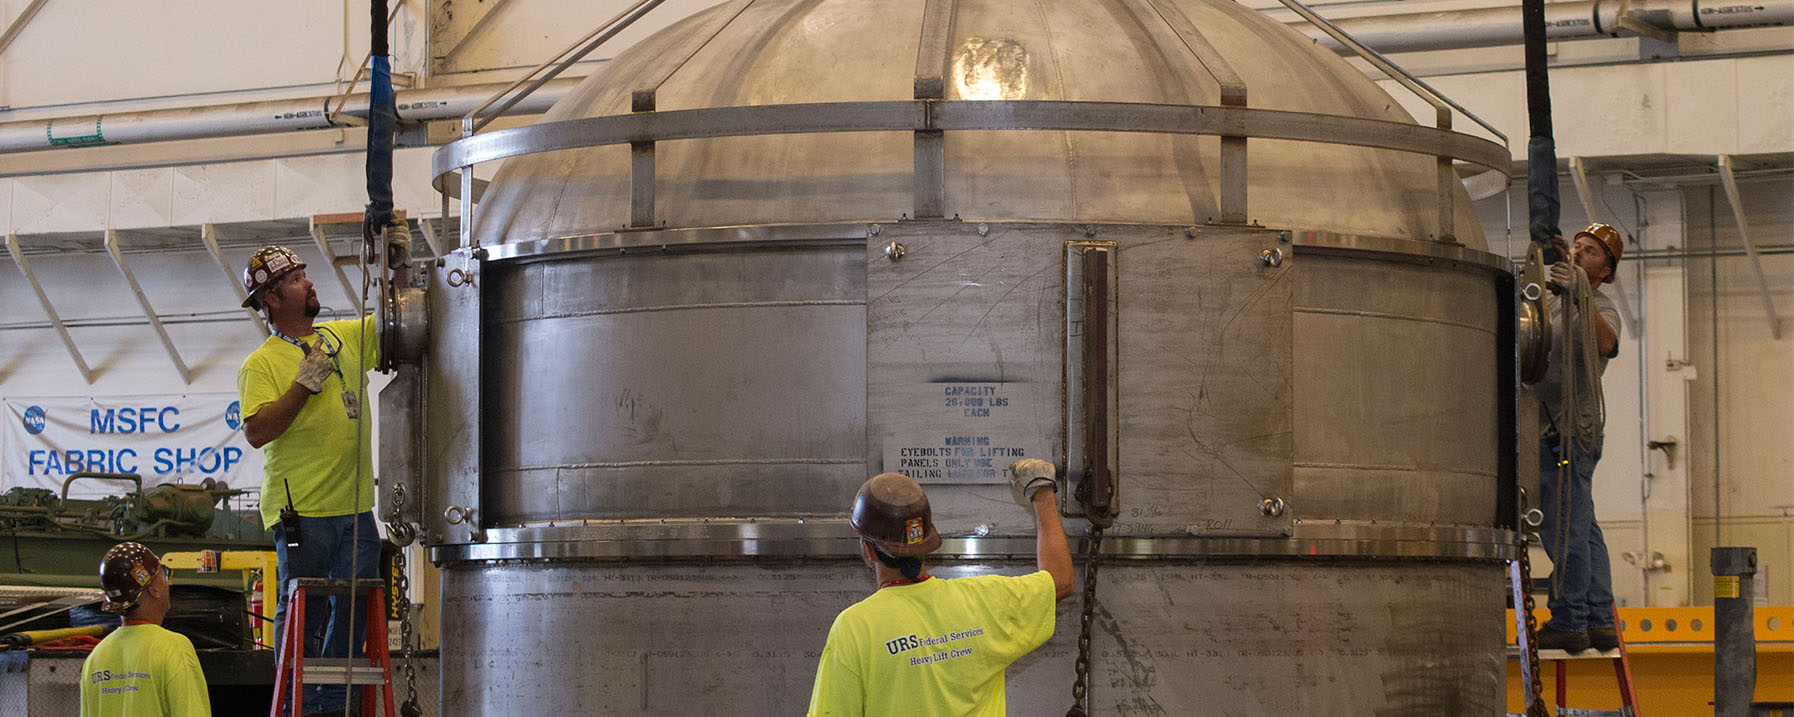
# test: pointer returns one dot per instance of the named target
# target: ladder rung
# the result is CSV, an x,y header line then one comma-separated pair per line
x,y
334,671
319,587
1589,654
1573,712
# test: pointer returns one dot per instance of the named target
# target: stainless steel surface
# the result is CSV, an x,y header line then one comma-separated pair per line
x,y
149,311
401,494
1331,638
617,540
662,428
43,299
406,334
680,364
453,400
1013,58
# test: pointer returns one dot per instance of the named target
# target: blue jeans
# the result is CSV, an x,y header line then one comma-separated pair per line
x,y
1582,581
325,550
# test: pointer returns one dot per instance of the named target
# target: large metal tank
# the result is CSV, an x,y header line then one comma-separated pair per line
x,y
785,244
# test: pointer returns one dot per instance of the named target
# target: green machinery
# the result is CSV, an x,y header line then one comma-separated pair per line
x,y
57,541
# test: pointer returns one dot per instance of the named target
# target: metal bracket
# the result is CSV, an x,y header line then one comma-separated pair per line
x,y
1233,94
1756,263
1092,387
208,235
932,55
149,312
62,329
18,23
641,168
318,222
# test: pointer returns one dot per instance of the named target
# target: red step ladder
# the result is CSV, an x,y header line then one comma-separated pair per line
x,y
1622,673
374,668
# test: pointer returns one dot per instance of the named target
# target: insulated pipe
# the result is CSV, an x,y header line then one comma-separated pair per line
x,y
1386,34
1493,27
256,117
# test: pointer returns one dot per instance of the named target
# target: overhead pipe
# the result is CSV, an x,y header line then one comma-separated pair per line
x,y
257,117
1495,27
1460,29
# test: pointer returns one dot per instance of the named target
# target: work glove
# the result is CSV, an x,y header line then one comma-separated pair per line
x,y
313,369
1563,275
1027,477
398,244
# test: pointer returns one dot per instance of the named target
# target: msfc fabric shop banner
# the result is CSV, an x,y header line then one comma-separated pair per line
x,y
166,439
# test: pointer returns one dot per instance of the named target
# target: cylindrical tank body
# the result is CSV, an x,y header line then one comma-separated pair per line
x,y
666,426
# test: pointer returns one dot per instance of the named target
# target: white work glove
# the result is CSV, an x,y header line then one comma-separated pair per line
x,y
1563,275
1029,476
313,369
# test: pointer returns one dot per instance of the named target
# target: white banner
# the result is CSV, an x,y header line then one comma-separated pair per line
x,y
165,439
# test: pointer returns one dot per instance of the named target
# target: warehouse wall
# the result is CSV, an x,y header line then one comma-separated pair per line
x,y
1728,408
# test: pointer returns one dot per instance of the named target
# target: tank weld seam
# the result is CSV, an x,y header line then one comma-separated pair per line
x,y
1397,317
1401,469
684,307
706,462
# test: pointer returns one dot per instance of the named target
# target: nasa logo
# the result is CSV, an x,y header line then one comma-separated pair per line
x,y
34,420
233,415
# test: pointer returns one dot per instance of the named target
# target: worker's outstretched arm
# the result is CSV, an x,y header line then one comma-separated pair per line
x,y
1032,482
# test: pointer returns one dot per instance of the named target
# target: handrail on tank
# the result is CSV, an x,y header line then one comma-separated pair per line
x,y
1414,84
1442,105
134,478
648,128
474,121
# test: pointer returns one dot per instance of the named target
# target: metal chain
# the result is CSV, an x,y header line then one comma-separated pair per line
x,y
401,584
1538,707
1080,703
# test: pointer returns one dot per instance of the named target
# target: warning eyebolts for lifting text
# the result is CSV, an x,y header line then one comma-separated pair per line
x,y
965,432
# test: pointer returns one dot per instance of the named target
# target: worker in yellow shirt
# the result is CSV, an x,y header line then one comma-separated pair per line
x,y
141,669
921,645
304,402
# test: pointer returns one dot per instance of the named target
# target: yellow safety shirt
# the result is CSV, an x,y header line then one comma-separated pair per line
x,y
937,647
143,671
316,456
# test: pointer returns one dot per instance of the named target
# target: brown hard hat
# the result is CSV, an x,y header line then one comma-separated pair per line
x,y
892,512
125,571
1609,239
266,266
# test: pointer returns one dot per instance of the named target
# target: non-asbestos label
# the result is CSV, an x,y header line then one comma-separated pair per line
x,y
1725,586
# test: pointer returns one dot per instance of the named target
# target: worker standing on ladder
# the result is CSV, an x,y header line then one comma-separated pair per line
x,y
1585,334
141,669
921,645
304,404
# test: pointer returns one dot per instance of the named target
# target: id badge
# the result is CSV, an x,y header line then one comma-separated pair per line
x,y
351,405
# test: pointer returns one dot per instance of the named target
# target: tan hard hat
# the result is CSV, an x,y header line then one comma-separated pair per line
x,y
892,512
266,266
125,571
1609,239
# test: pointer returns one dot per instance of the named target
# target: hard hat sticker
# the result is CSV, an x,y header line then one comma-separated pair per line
x,y
912,531
141,574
